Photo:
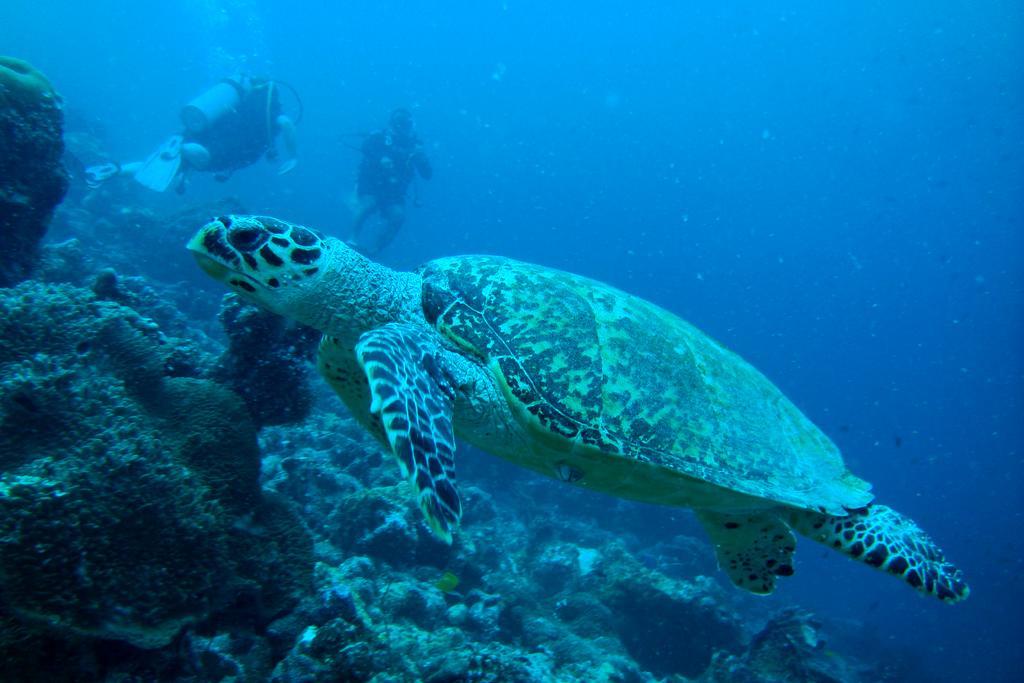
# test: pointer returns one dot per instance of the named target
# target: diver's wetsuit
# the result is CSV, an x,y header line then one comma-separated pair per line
x,y
240,137
387,184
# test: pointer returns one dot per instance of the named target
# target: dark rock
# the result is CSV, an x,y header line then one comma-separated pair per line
x,y
299,668
156,248
105,285
424,607
337,602
385,523
668,626
495,663
266,362
556,567
346,648
586,615
33,179
477,506
226,657
129,501
282,633
115,544
790,647
273,562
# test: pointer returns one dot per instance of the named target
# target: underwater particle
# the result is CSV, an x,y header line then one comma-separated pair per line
x,y
587,559
308,635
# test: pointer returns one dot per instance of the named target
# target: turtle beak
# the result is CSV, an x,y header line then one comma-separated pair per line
x,y
212,253
212,268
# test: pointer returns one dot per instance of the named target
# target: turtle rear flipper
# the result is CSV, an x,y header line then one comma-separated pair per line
x,y
751,548
414,398
883,538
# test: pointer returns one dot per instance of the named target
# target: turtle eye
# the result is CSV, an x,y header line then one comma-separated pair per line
x,y
568,473
247,238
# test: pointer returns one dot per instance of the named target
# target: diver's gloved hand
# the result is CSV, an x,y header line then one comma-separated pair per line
x,y
288,166
101,173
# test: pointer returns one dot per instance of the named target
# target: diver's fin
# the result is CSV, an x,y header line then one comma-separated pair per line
x,y
159,170
883,538
752,549
414,398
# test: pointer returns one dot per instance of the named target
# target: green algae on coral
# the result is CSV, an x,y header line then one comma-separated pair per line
x,y
21,83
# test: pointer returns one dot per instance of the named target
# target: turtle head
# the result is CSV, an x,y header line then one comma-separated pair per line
x,y
269,262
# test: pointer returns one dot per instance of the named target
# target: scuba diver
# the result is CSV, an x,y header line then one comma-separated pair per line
x,y
391,159
228,127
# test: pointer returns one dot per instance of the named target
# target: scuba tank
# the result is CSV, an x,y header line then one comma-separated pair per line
x,y
203,111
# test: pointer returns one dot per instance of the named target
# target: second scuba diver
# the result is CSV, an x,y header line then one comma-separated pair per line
x,y
391,159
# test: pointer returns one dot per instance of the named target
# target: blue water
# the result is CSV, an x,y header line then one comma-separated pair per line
x,y
833,192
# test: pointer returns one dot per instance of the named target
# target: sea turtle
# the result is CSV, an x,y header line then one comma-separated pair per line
x,y
573,379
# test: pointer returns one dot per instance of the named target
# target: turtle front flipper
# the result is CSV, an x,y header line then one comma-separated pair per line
x,y
752,549
883,538
414,398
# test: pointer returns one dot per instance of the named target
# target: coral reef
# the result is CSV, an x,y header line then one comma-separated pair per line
x,y
266,362
102,223
667,625
527,606
130,503
150,531
790,647
32,177
548,598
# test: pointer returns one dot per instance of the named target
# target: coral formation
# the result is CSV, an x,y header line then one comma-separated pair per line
x,y
101,222
32,177
667,625
129,500
552,599
790,647
150,531
266,362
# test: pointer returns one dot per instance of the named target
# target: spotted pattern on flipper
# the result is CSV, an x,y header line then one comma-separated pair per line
x,y
414,396
881,537
752,549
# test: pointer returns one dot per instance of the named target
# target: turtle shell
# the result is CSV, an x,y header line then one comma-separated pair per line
x,y
598,367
